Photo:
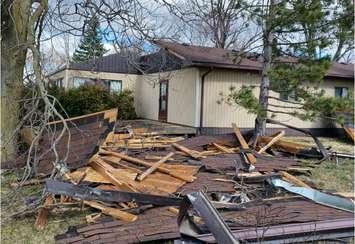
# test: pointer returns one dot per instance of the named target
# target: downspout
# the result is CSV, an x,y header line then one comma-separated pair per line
x,y
203,76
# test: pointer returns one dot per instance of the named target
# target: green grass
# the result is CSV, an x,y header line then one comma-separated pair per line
x,y
22,230
328,175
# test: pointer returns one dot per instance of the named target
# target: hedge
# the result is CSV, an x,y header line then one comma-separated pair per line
x,y
94,98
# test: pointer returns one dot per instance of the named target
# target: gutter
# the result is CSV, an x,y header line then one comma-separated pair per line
x,y
203,76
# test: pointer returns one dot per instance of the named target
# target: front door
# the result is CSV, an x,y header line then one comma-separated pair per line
x,y
163,100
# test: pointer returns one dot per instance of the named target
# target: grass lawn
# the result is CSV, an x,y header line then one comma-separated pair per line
x,y
330,175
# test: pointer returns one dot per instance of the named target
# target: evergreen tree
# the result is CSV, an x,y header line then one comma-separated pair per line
x,y
296,34
91,45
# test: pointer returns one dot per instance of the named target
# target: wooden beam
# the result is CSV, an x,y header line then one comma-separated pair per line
x,y
114,212
155,166
191,153
272,142
290,178
243,143
222,148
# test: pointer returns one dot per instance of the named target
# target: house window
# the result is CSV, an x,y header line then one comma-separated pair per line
x,y
78,81
287,96
59,82
341,91
115,85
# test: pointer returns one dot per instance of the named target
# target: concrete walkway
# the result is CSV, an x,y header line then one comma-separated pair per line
x,y
159,127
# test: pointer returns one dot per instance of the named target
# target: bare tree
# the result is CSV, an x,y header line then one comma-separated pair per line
x,y
222,22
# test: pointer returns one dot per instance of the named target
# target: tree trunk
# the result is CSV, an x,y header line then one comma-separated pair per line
x,y
260,123
14,18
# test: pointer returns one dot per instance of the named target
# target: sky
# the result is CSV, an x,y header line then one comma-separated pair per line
x,y
56,46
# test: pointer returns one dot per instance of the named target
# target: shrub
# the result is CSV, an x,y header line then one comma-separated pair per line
x,y
93,98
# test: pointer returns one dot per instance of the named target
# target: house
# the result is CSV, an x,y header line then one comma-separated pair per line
x,y
182,84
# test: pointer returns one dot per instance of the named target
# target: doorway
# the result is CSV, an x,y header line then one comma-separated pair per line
x,y
163,100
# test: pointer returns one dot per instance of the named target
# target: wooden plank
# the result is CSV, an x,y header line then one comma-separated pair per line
x,y
160,168
111,114
222,148
192,153
290,178
114,212
272,142
154,167
243,143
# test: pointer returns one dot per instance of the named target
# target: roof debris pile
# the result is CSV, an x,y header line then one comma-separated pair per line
x,y
225,189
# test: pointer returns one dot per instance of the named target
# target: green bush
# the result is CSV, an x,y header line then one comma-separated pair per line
x,y
93,98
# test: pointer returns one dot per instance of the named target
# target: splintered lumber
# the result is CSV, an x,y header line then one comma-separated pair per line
x,y
222,148
292,179
160,168
243,143
154,167
285,146
272,142
42,217
114,212
104,169
192,153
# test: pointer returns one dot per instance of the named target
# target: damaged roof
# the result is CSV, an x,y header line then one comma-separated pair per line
x,y
222,58
184,55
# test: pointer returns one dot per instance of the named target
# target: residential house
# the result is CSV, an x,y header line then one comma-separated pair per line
x,y
182,84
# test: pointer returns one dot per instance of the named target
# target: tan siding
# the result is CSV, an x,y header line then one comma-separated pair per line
x,y
147,98
222,115
181,98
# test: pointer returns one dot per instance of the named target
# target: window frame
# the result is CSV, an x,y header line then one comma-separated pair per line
x,y
115,81
341,95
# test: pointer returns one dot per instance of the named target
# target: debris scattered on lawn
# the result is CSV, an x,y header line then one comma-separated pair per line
x,y
136,181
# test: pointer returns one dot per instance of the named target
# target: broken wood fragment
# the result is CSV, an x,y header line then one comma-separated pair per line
x,y
272,142
114,212
147,164
292,179
154,166
43,213
350,132
92,218
243,143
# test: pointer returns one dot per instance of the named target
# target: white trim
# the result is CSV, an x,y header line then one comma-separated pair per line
x,y
197,97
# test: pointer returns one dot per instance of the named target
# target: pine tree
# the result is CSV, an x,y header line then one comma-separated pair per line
x,y
91,45
295,39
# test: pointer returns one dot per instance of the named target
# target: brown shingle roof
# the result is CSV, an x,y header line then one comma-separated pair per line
x,y
222,58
